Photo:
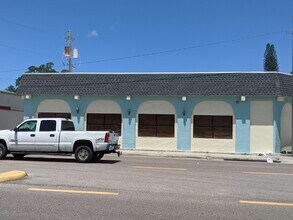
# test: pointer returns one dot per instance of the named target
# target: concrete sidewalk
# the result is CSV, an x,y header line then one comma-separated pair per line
x,y
286,159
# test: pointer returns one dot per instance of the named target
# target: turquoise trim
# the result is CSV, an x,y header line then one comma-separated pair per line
x,y
183,110
242,110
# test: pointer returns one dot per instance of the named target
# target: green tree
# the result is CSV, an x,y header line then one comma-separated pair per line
x,y
270,58
11,88
44,68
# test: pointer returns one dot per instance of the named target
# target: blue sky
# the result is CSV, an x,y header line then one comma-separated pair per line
x,y
219,35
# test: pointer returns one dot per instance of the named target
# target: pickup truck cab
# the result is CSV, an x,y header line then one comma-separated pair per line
x,y
56,135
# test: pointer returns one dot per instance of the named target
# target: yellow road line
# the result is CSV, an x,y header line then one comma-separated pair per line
x,y
73,191
266,173
265,203
159,168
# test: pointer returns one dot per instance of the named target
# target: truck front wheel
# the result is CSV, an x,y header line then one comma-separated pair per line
x,y
83,154
3,151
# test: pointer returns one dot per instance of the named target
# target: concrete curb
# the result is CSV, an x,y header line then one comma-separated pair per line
x,y
209,156
12,175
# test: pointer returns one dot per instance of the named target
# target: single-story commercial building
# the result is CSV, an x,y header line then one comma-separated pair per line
x,y
11,110
239,112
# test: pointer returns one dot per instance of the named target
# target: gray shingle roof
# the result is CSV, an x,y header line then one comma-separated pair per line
x,y
167,84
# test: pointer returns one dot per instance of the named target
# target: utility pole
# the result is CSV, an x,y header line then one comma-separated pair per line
x,y
292,91
68,50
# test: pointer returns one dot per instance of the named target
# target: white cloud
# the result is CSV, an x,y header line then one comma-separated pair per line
x,y
93,33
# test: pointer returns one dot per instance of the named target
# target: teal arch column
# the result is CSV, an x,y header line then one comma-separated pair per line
x,y
242,117
77,116
129,111
183,112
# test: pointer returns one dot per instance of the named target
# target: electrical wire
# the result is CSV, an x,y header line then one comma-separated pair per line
x,y
26,26
23,50
170,50
185,48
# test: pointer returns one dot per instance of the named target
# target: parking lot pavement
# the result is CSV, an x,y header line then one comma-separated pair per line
x,y
138,187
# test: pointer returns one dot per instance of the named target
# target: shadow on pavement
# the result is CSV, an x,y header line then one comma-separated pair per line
x,y
60,160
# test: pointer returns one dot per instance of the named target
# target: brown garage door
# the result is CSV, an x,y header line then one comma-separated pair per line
x,y
54,115
102,122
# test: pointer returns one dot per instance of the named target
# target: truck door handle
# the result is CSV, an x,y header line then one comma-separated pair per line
x,y
52,135
33,135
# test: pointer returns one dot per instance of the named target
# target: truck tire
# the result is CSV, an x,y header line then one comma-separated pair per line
x,y
18,156
3,151
83,154
98,156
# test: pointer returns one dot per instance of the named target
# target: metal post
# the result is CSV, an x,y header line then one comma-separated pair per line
x,y
69,40
292,92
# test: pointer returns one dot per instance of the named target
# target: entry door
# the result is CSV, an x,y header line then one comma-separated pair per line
x,y
47,138
24,139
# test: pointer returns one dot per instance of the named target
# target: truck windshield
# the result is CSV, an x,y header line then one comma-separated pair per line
x,y
67,126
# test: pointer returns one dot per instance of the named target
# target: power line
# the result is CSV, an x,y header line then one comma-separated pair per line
x,y
185,48
26,26
23,50
170,50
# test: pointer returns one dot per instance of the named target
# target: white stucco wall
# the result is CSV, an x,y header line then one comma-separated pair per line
x,y
156,143
261,127
286,125
53,106
104,107
10,118
211,144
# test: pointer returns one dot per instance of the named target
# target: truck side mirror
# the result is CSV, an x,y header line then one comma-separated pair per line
x,y
15,129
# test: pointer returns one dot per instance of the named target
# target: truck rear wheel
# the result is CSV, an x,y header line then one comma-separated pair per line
x,y
99,156
83,154
3,151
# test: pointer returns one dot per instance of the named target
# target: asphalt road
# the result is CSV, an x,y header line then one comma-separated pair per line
x,y
146,188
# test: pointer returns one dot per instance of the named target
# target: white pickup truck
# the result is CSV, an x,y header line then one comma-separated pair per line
x,y
57,135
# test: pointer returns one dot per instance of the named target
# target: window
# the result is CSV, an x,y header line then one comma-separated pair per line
x,y
156,125
102,122
54,115
48,125
206,126
28,126
67,126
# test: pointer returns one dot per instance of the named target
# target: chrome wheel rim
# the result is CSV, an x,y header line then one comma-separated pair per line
x,y
83,154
